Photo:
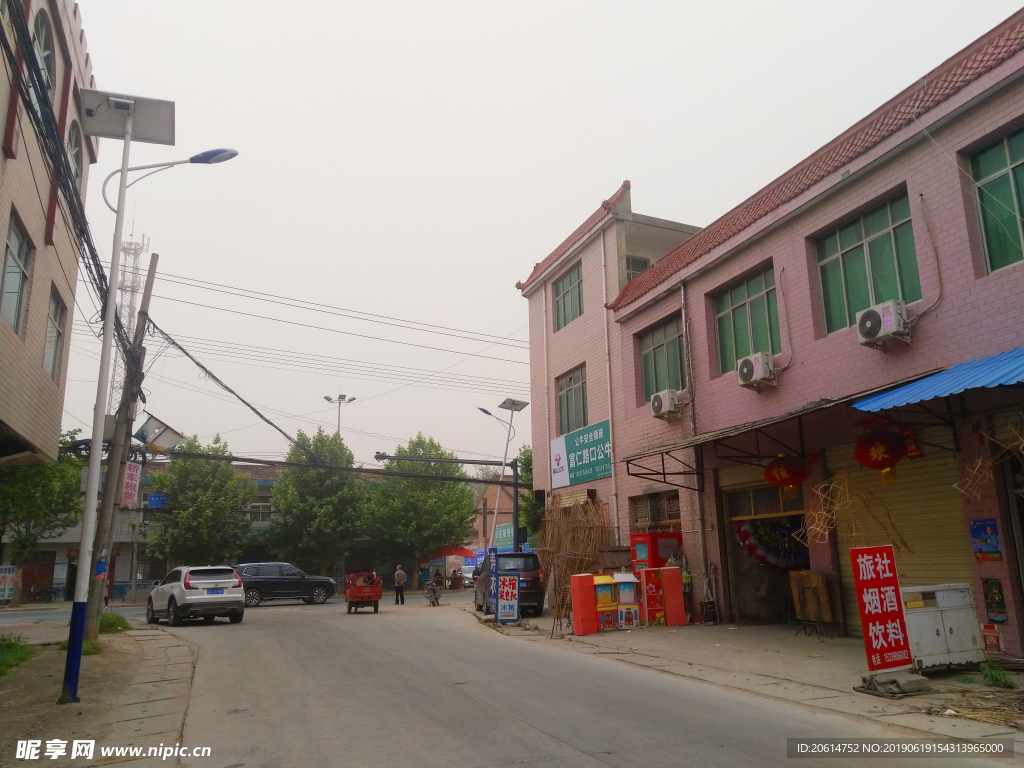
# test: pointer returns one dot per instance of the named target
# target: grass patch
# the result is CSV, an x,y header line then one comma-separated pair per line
x,y
89,647
113,622
13,651
965,679
995,676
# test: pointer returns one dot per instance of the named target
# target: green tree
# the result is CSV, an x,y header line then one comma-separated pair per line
x,y
321,511
531,514
412,517
39,501
205,521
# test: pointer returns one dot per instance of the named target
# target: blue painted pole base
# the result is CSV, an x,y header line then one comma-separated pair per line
x,y
73,664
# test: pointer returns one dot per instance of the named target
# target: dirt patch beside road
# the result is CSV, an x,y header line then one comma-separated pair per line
x,y
28,696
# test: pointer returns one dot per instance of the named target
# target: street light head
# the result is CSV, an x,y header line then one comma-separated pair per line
x,y
341,398
484,410
328,398
351,400
211,156
379,456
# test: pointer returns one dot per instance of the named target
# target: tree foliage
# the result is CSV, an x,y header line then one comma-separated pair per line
x,y
321,512
531,514
39,501
205,521
411,517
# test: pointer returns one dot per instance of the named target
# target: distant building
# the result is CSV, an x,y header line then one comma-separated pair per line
x,y
40,261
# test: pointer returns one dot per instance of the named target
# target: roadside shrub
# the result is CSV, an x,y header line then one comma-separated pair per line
x,y
995,676
113,622
89,647
13,651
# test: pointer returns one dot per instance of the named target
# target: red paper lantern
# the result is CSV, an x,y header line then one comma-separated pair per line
x,y
788,472
881,450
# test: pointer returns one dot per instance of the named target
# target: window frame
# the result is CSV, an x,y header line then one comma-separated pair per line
x,y
23,259
568,286
563,394
651,334
632,273
1015,189
47,58
76,152
841,254
53,354
766,274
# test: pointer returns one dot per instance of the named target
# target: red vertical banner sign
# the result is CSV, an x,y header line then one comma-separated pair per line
x,y
881,608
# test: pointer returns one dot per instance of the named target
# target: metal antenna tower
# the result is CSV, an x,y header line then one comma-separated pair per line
x,y
129,285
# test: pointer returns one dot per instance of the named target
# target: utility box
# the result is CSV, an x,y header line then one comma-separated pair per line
x,y
942,625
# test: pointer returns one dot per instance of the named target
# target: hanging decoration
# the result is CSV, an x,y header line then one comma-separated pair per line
x,y
880,449
913,449
976,477
787,472
771,540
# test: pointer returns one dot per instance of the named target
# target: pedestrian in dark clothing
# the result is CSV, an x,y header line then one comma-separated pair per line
x,y
399,586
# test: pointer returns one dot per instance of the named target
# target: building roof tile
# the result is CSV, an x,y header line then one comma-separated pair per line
x,y
581,231
990,50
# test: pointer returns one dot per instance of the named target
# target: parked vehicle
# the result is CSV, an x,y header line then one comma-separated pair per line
x,y
531,581
189,592
44,595
283,581
467,575
432,592
363,591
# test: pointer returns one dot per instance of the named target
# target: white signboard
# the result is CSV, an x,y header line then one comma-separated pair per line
x,y
508,597
7,582
60,572
132,475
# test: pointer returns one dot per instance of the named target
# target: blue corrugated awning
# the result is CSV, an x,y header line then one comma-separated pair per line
x,y
997,370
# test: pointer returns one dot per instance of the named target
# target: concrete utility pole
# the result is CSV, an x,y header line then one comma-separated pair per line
x,y
116,465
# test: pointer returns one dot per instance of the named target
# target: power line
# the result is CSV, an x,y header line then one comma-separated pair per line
x,y
331,309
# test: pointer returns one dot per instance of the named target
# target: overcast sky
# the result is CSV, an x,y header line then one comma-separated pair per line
x,y
412,161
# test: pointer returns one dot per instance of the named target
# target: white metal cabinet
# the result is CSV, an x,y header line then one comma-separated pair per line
x,y
942,625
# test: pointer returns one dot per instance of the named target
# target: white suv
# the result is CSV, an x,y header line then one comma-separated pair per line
x,y
193,591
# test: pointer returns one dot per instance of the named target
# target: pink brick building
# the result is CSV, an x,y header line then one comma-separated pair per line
x,y
40,264
919,203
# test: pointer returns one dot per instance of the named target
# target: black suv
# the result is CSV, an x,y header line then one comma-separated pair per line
x,y
282,581
531,581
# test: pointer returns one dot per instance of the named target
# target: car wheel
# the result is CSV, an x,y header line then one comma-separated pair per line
x,y
209,619
477,605
253,597
376,605
236,618
318,595
487,608
151,617
173,617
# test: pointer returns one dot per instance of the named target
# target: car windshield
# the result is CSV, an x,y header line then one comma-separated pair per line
x,y
210,574
517,563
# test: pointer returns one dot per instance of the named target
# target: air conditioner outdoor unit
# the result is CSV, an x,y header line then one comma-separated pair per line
x,y
756,370
664,403
877,324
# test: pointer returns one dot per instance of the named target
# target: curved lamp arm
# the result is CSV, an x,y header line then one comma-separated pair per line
x,y
209,157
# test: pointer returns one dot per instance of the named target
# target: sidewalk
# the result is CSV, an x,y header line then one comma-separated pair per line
x,y
771,661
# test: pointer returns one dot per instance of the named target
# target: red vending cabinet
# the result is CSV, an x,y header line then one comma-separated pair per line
x,y
675,600
584,604
652,550
653,597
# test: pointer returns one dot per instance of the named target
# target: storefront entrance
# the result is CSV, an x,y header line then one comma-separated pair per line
x,y
761,547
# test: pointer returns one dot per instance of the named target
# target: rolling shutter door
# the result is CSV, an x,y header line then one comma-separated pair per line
x,y
923,505
738,476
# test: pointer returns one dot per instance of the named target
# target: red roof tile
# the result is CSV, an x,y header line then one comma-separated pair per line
x,y
575,237
990,50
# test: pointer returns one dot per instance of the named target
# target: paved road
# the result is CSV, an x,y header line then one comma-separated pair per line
x,y
298,685
59,612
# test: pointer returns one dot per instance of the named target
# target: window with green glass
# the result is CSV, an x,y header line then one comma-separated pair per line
x,y
999,178
866,262
634,266
747,319
661,356
569,296
572,400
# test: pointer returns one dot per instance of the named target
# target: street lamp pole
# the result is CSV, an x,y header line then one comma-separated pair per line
x,y
341,400
73,663
512,406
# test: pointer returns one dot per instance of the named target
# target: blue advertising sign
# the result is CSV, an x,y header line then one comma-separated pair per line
x,y
101,564
493,586
156,500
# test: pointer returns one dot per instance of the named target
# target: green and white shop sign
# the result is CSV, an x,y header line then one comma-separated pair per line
x,y
581,456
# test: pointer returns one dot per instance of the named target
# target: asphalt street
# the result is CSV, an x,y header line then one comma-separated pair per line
x,y
303,685
59,612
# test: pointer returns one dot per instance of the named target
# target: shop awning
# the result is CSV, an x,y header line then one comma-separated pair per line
x,y
998,370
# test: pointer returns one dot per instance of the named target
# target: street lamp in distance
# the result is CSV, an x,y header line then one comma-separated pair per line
x,y
513,406
340,400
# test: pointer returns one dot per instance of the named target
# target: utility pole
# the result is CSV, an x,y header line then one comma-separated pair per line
x,y
117,464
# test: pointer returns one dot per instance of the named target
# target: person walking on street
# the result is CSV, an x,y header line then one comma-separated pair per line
x,y
399,585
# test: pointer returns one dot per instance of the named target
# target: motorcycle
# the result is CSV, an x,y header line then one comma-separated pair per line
x,y
43,595
431,592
